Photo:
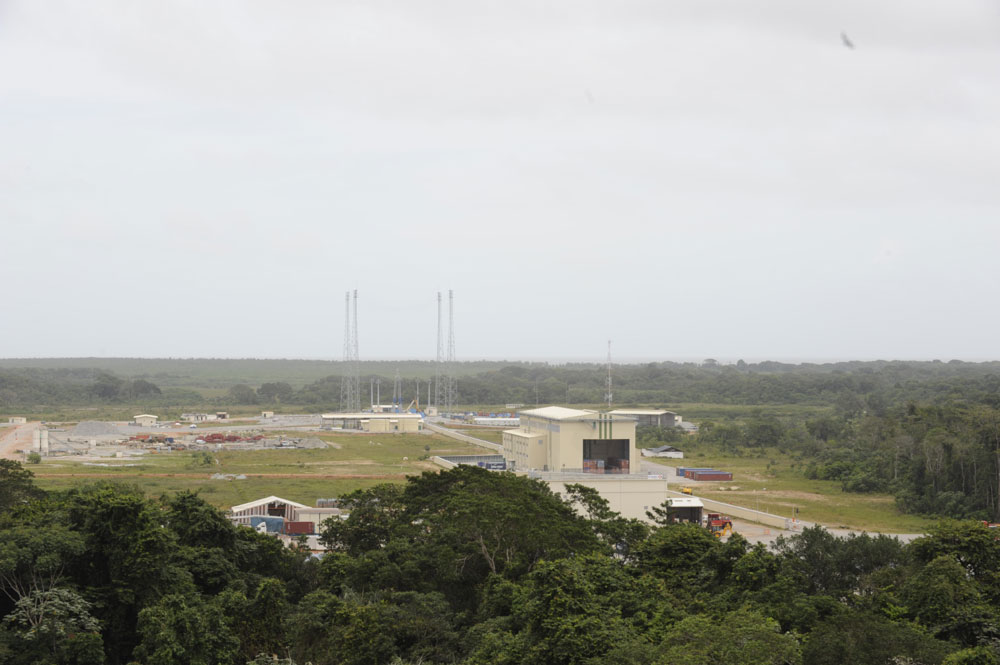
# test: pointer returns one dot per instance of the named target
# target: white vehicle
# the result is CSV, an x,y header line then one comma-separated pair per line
x,y
192,427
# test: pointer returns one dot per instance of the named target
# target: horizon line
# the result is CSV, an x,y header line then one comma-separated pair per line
x,y
627,360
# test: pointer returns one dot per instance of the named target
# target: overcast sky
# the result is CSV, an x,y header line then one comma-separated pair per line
x,y
690,179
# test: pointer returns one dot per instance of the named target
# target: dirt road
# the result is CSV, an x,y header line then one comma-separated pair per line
x,y
16,438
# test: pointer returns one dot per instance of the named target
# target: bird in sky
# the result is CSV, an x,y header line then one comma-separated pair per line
x,y
847,41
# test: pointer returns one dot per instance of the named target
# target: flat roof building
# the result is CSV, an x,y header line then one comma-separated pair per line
x,y
649,417
557,439
663,451
375,423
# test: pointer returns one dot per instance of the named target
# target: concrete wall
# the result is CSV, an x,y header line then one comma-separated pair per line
x,y
442,462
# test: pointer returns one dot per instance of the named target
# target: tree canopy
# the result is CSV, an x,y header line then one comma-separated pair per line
x,y
471,566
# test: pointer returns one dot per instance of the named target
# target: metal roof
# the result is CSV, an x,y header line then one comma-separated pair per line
x,y
557,413
264,502
685,502
564,414
145,415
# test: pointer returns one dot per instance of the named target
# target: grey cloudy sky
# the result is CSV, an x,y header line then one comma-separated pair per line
x,y
688,178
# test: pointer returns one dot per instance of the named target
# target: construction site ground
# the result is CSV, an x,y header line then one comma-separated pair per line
x,y
231,476
363,460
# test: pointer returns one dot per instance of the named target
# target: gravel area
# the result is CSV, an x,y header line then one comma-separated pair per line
x,y
95,428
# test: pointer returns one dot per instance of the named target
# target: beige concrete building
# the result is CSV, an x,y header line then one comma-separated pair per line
x,y
630,497
649,417
17,420
145,420
557,439
376,423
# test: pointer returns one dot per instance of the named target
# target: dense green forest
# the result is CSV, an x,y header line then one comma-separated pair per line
x,y
847,384
470,566
927,432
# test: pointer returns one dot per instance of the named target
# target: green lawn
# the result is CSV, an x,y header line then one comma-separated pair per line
x,y
300,475
775,483
228,422
494,435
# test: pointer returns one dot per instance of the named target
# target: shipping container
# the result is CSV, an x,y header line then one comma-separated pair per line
x,y
682,470
710,475
299,528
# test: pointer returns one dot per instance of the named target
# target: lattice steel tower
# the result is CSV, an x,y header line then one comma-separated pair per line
x,y
607,392
350,381
440,390
397,393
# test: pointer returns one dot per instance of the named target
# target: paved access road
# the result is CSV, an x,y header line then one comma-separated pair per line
x,y
758,533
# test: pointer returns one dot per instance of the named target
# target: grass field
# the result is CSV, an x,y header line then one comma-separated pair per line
x,y
296,474
494,435
774,483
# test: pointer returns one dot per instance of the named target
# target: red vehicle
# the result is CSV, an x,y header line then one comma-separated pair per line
x,y
719,525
